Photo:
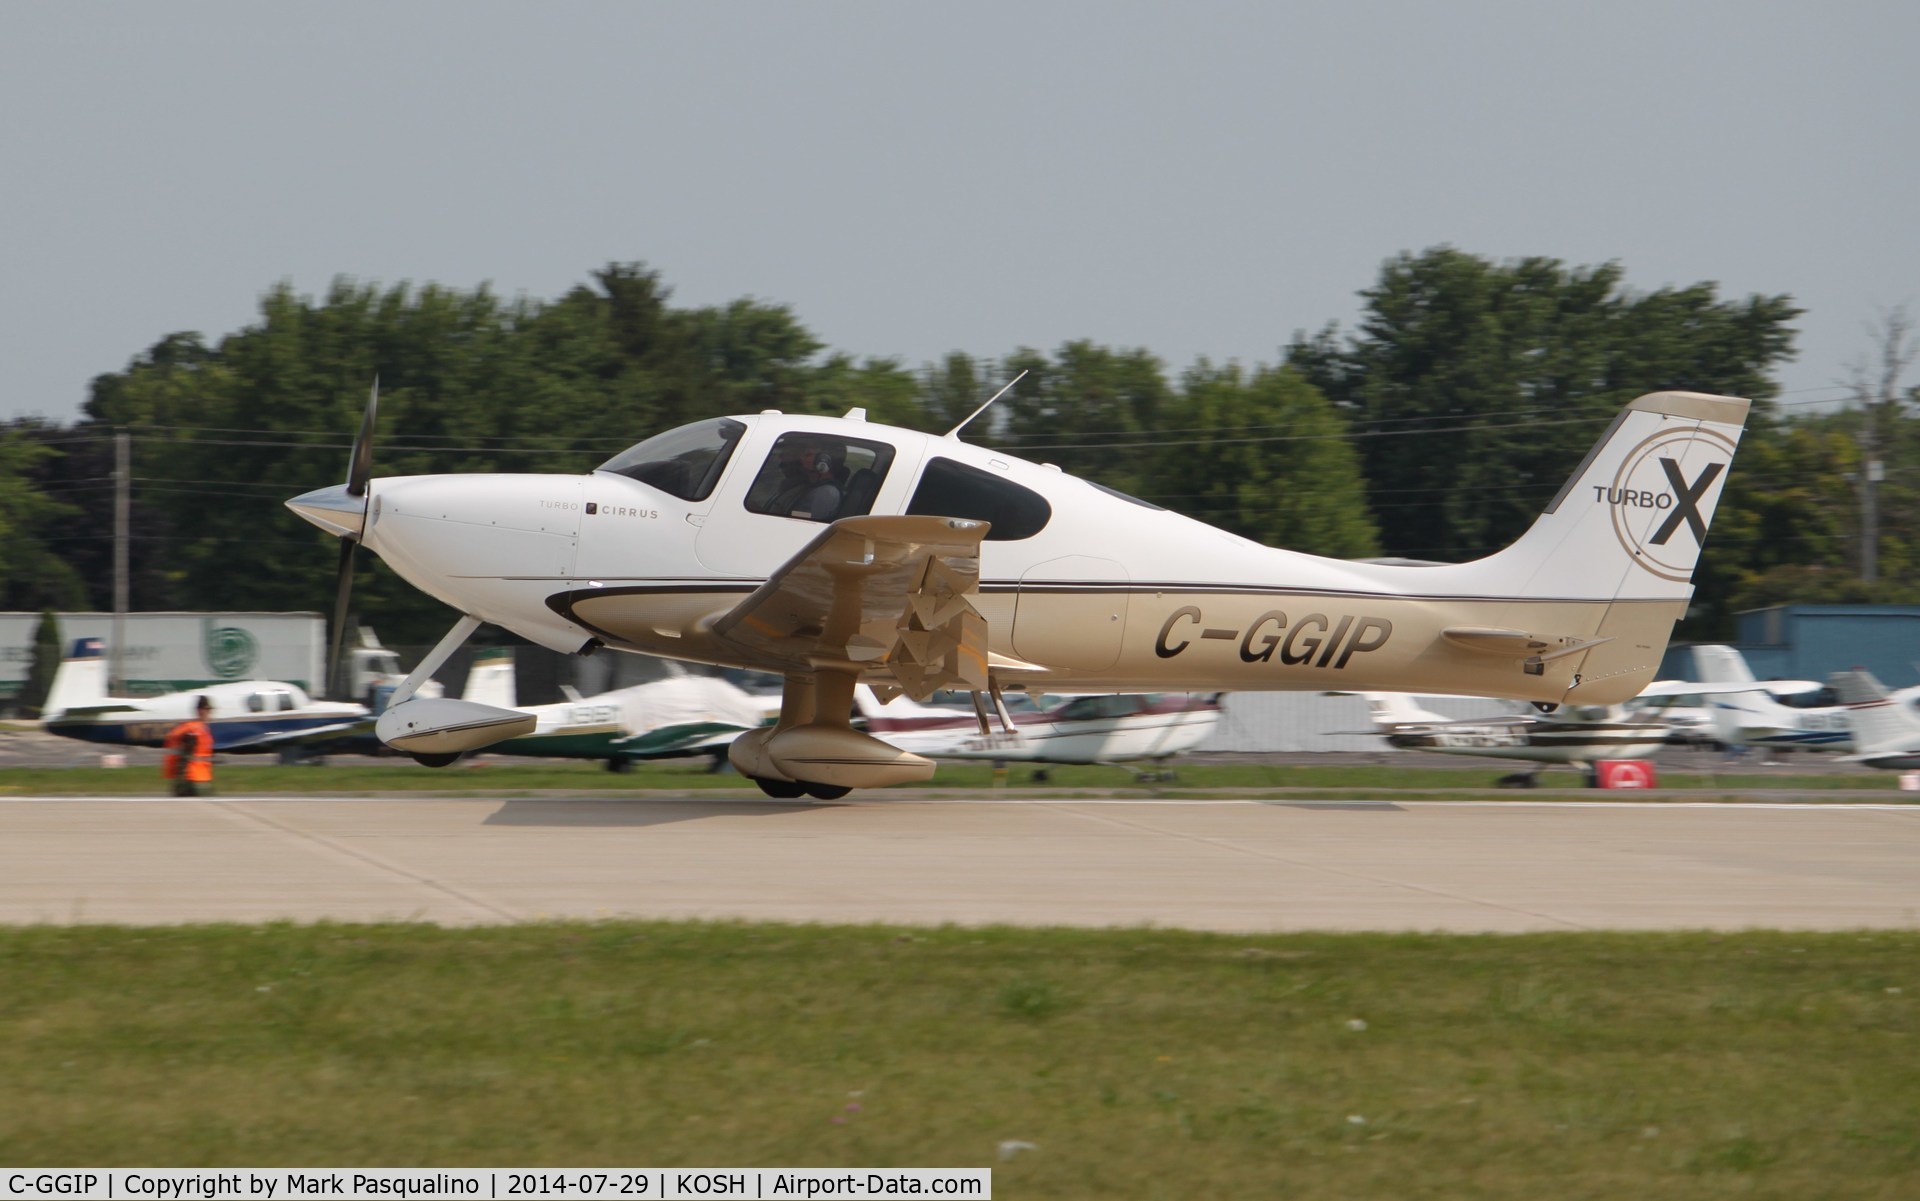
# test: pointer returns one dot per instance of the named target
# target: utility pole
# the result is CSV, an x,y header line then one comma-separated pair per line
x,y
1877,386
122,510
1872,471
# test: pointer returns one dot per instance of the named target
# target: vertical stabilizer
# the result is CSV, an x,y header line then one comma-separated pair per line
x,y
1881,725
490,680
81,679
1391,710
1632,519
1721,665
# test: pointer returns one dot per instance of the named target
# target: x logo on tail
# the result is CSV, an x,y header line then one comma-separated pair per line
x,y
1686,502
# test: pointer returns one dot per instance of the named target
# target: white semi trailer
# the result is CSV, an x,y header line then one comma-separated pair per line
x,y
174,652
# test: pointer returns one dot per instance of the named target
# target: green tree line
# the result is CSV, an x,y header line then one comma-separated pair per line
x,y
1437,428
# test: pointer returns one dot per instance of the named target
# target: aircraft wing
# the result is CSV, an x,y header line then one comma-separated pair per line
x,y
73,711
1666,688
687,738
877,596
326,733
1503,721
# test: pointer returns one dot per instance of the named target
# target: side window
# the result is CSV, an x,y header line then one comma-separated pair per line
x,y
1088,708
950,489
819,477
256,703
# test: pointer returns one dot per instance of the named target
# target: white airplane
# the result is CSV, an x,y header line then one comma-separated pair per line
x,y
1087,729
836,551
1886,730
1728,707
678,717
1574,735
1746,711
248,715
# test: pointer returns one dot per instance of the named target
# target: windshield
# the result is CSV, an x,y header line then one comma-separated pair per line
x,y
685,462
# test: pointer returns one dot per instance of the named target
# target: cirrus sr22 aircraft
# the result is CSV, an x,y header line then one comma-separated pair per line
x,y
837,551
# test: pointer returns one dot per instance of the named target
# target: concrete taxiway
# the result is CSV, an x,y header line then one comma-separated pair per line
x,y
1229,865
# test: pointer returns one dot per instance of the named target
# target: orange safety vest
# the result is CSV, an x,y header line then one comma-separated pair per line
x,y
191,742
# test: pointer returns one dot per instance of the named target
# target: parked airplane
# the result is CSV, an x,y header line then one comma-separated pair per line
x,y
678,717
1886,731
835,551
1086,729
1574,735
1728,707
248,715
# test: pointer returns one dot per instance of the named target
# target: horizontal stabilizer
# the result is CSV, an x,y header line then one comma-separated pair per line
x,y
1517,644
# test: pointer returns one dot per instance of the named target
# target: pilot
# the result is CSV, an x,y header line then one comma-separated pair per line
x,y
812,471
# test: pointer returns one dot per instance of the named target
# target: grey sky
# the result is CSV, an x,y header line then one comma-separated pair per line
x,y
1192,178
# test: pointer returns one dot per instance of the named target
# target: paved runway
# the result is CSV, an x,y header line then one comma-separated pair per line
x,y
1231,865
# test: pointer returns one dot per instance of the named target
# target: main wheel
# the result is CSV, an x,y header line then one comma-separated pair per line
x,y
827,792
619,765
785,790
436,760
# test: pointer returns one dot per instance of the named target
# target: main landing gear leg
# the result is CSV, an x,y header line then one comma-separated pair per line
x,y
813,749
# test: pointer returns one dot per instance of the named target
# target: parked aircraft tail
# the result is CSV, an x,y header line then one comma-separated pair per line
x,y
1721,665
1880,724
80,681
1390,709
491,678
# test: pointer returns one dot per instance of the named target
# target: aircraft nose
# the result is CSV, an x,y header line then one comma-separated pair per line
x,y
333,510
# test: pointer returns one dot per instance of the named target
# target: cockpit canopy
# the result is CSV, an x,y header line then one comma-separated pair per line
x,y
684,462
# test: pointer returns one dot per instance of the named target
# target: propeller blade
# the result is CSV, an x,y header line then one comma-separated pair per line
x,y
359,472
342,592
360,467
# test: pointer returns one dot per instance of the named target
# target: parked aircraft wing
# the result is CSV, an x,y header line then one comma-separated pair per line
x,y
73,711
326,733
676,741
874,595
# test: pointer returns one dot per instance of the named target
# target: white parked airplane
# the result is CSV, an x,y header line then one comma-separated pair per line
x,y
248,715
1575,735
1886,730
678,717
1103,728
1728,707
835,551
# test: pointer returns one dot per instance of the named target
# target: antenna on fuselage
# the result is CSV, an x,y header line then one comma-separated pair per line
x,y
955,431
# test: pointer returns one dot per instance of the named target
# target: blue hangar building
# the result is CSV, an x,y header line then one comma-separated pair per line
x,y
1809,642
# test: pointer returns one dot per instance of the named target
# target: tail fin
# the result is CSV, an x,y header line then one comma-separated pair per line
x,y
1721,665
1391,709
80,680
490,680
902,712
1631,521
1880,724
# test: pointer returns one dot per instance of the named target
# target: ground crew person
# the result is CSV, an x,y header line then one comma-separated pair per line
x,y
189,762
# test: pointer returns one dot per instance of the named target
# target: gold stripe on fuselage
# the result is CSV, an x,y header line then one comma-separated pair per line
x,y
1199,639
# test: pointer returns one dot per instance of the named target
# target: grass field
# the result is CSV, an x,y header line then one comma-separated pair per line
x,y
522,777
1139,1064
